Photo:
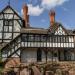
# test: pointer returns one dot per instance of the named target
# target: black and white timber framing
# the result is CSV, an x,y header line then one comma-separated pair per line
x,y
10,32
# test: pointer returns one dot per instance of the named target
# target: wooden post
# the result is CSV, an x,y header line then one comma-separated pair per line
x,y
52,56
74,41
46,52
74,47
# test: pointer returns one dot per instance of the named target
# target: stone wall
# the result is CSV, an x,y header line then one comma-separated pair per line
x,y
12,62
55,68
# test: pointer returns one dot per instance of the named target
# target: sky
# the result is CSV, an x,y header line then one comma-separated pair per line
x,y
39,11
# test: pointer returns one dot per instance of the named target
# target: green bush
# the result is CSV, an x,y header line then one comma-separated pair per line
x,y
0,56
1,64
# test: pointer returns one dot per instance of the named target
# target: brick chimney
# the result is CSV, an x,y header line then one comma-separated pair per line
x,y
25,16
52,17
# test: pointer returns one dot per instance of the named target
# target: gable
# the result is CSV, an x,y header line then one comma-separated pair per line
x,y
60,31
8,10
10,24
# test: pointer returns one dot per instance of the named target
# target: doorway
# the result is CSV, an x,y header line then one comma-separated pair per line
x,y
39,55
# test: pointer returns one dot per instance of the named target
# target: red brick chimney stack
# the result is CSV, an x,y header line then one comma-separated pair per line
x,y
52,17
25,15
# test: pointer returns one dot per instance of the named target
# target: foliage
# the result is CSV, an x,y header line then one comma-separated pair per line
x,y
1,67
1,63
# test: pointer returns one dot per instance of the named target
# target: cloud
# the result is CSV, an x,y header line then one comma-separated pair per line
x,y
45,4
48,4
65,9
35,10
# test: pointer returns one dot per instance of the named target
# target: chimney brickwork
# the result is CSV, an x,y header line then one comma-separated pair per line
x,y
25,16
52,17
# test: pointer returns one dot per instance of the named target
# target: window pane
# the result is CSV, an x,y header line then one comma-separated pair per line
x,y
43,38
37,38
7,35
24,37
10,22
5,28
10,28
30,38
6,22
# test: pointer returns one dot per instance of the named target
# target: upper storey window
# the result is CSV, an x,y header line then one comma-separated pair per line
x,y
8,22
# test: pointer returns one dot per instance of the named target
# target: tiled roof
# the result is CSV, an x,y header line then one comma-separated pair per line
x,y
34,30
50,30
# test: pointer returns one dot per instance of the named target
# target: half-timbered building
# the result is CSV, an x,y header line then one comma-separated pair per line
x,y
21,43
